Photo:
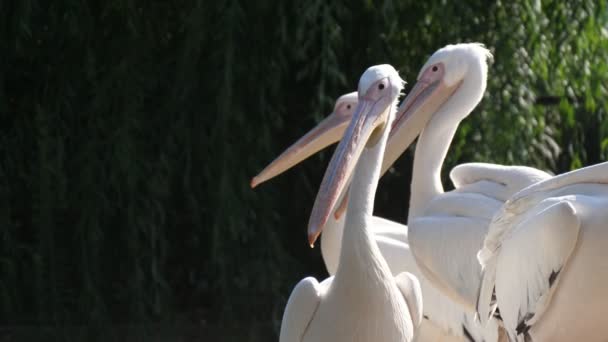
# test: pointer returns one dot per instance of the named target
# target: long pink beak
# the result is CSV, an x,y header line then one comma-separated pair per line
x,y
327,132
367,117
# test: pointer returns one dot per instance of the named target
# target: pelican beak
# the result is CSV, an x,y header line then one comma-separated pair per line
x,y
424,100
327,132
365,129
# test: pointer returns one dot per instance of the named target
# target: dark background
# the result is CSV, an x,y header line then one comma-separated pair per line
x,y
130,130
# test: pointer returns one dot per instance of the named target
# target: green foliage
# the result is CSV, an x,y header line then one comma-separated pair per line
x,y
130,130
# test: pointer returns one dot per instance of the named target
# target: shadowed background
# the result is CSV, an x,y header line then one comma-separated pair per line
x,y
130,130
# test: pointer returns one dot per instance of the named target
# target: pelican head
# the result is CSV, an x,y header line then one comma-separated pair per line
x,y
378,90
450,84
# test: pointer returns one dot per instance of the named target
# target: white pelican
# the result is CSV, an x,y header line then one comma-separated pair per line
x,y
544,260
444,320
444,237
363,301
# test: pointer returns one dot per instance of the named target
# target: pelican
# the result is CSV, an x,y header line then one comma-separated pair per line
x,y
363,301
444,320
544,260
446,230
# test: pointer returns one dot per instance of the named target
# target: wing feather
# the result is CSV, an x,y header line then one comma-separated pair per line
x,y
390,229
301,307
512,178
522,268
465,204
445,248
409,286
596,174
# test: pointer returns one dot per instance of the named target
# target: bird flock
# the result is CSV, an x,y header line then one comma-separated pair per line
x,y
511,254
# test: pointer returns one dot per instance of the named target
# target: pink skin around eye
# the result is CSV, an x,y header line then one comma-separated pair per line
x,y
376,90
345,109
432,73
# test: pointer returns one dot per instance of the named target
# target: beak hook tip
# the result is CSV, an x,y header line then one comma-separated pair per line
x,y
312,238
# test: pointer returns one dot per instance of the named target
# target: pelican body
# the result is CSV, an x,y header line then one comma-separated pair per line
x,y
363,301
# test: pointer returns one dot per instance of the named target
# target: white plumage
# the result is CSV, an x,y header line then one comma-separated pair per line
x,y
544,260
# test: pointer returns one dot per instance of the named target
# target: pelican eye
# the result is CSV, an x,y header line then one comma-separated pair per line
x,y
381,86
435,68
